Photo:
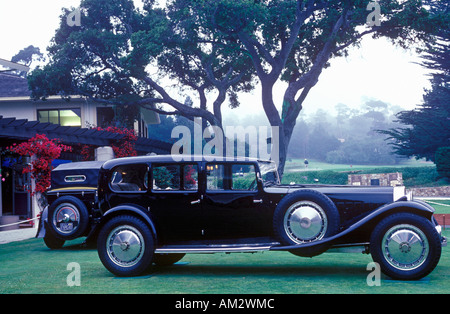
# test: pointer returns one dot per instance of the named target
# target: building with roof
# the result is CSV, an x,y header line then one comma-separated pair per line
x,y
72,122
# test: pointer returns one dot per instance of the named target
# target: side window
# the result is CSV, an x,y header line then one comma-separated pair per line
x,y
231,177
190,177
215,177
243,177
166,177
130,178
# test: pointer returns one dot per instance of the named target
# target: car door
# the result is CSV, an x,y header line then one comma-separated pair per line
x,y
175,201
233,206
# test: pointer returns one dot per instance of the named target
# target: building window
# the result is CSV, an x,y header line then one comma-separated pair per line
x,y
105,116
64,117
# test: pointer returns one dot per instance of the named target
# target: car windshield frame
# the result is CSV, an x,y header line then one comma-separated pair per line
x,y
269,173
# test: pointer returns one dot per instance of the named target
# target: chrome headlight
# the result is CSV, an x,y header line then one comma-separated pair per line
x,y
409,196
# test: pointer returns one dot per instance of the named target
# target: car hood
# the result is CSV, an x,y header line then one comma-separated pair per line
x,y
378,194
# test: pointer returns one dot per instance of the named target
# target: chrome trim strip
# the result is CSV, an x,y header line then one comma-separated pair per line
x,y
209,249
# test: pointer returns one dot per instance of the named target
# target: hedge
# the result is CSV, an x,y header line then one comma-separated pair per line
x,y
442,160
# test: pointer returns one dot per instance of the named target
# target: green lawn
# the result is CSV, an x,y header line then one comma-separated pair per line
x,y
441,206
294,164
30,267
415,173
298,164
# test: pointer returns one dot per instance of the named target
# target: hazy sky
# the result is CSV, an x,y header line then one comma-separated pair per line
x,y
377,70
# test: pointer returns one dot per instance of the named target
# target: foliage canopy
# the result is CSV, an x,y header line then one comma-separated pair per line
x,y
126,55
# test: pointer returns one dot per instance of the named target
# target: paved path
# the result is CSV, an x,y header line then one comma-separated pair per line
x,y
17,235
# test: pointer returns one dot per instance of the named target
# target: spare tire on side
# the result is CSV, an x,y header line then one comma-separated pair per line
x,y
68,217
305,216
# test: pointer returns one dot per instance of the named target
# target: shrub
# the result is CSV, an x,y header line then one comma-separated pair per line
x,y
43,151
123,147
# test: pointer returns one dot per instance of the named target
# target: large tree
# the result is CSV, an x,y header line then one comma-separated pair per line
x,y
217,45
122,55
427,127
26,55
293,41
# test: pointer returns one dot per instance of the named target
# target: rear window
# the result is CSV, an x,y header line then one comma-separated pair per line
x,y
75,178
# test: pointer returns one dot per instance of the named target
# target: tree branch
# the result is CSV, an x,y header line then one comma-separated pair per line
x,y
183,109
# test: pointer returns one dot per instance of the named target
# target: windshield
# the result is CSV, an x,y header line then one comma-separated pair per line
x,y
269,173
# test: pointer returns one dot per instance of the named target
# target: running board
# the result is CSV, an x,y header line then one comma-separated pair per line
x,y
252,248
215,248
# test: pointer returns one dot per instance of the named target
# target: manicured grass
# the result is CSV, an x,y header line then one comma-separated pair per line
x,y
298,165
415,173
30,267
441,206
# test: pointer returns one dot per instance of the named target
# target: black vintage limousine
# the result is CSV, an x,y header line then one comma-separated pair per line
x,y
153,210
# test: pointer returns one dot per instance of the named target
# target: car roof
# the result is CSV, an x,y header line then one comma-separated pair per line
x,y
79,165
174,158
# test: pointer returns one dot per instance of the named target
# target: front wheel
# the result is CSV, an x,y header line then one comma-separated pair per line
x,y
126,246
406,246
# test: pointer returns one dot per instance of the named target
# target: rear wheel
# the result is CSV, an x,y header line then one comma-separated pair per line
x,y
126,246
167,259
406,246
53,242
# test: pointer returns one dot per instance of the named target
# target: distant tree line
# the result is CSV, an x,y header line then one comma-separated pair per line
x,y
348,137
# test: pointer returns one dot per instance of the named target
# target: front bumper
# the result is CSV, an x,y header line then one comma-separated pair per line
x,y
443,239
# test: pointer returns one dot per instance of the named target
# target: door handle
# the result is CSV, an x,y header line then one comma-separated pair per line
x,y
257,201
195,202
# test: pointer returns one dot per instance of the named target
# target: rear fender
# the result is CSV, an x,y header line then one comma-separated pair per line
x,y
42,227
417,207
134,210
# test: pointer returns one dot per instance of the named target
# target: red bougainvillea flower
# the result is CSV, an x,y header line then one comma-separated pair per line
x,y
44,152
124,147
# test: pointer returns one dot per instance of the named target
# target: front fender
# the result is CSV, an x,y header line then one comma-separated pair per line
x,y
417,207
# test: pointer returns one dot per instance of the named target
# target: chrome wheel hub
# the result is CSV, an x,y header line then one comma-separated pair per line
x,y
405,247
66,218
125,246
305,221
